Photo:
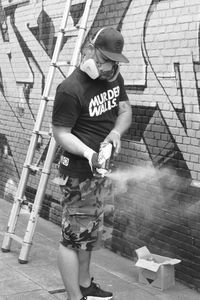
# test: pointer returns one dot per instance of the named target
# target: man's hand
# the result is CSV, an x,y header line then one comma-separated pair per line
x,y
122,123
94,161
115,139
92,158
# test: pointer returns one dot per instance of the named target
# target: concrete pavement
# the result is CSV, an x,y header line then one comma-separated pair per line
x,y
39,279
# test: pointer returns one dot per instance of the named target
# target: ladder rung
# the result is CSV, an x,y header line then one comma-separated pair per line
x,y
79,2
71,32
48,98
61,63
16,238
20,200
43,132
33,168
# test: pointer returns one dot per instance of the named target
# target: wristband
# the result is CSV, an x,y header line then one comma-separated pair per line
x,y
116,132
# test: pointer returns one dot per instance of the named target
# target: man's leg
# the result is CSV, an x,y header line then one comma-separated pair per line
x,y
84,267
68,265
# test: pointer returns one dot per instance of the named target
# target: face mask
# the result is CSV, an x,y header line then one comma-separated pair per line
x,y
105,72
90,68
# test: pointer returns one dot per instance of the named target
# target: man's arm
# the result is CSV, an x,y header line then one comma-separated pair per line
x,y
69,141
124,118
74,145
122,123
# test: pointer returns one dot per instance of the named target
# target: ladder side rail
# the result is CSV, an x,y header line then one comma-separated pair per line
x,y
51,72
81,35
28,237
27,242
33,142
19,197
57,48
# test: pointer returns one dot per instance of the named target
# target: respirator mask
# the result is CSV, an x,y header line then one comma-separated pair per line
x,y
104,71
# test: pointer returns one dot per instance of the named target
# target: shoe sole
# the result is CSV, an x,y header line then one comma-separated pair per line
x,y
99,298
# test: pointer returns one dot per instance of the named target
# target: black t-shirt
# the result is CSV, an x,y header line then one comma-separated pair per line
x,y
90,108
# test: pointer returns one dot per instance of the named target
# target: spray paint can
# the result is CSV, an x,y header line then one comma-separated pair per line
x,y
104,156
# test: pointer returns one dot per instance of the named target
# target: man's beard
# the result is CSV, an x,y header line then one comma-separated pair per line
x,y
109,75
106,75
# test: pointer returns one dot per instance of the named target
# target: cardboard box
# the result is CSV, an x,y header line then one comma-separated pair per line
x,y
155,270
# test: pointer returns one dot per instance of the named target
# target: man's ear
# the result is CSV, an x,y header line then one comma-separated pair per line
x,y
90,49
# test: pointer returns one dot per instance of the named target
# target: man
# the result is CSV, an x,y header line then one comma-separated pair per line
x,y
91,106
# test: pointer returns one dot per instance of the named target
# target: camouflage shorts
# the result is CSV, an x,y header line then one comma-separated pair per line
x,y
82,220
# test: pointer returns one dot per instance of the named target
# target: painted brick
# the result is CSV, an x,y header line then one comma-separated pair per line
x,y
165,127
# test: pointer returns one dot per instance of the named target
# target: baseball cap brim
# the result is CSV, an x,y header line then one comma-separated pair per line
x,y
119,57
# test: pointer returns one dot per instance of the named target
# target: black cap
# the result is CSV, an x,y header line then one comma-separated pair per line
x,y
110,42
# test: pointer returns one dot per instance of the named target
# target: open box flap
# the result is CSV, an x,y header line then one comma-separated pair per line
x,y
150,265
172,261
152,262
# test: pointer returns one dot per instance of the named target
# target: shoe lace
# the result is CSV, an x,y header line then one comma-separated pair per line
x,y
96,285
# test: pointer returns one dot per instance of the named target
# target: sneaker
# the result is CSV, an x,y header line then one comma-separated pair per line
x,y
94,292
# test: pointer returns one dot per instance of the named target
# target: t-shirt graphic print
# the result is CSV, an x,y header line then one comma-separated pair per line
x,y
103,102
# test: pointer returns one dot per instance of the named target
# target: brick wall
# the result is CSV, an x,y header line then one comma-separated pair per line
x,y
158,204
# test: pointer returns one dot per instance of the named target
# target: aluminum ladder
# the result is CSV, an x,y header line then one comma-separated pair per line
x,y
28,166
